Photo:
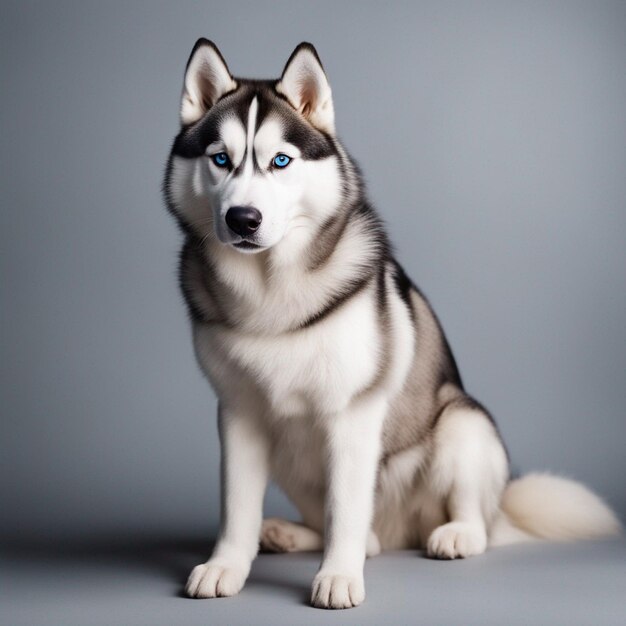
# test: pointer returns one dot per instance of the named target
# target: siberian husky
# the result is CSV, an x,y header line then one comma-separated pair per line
x,y
333,374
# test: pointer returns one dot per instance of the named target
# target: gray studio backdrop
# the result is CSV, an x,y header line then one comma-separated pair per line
x,y
493,138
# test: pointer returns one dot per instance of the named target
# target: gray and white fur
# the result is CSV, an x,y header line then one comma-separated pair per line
x,y
333,374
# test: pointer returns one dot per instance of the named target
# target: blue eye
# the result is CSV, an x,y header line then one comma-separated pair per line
x,y
281,160
221,159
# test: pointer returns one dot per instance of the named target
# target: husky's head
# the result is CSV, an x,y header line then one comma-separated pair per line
x,y
256,164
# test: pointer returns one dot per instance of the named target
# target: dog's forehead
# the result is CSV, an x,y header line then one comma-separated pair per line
x,y
269,133
229,119
265,116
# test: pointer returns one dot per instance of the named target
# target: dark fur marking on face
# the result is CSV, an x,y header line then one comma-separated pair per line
x,y
312,142
193,139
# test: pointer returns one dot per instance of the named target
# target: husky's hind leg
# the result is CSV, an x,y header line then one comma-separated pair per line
x,y
468,471
279,535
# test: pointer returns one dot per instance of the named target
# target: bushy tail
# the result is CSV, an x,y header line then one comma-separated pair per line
x,y
543,506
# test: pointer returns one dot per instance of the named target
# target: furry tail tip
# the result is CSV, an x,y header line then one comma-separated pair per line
x,y
543,506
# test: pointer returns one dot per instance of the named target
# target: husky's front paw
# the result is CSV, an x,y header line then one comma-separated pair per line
x,y
337,591
215,579
456,540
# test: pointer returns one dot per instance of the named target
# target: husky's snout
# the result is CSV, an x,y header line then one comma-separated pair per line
x,y
243,220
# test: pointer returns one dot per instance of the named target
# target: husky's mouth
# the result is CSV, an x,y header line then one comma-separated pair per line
x,y
247,245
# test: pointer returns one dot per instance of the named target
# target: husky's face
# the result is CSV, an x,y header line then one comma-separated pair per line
x,y
255,161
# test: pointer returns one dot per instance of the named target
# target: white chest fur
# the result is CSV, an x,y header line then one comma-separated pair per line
x,y
314,370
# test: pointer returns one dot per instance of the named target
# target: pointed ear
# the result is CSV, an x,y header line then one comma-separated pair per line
x,y
207,79
305,85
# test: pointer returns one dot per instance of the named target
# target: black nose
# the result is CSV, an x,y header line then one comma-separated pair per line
x,y
243,220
